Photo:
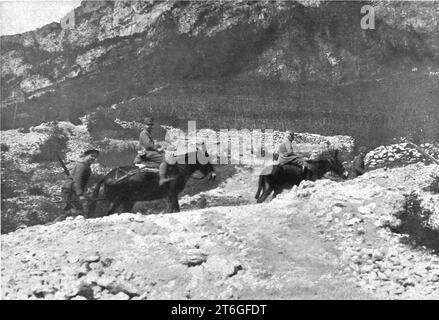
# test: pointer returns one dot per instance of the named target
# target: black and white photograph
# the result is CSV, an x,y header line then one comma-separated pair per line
x,y
231,151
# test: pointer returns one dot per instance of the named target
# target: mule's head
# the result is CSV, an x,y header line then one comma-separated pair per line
x,y
336,166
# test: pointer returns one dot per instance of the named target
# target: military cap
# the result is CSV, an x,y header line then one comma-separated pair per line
x,y
148,120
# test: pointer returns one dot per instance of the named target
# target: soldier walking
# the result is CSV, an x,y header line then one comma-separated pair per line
x,y
73,190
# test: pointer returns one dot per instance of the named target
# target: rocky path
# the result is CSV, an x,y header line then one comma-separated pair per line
x,y
322,240
223,253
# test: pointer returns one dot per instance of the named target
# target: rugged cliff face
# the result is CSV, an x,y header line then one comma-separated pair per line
x,y
308,63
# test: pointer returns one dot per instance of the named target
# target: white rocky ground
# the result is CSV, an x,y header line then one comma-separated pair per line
x,y
322,240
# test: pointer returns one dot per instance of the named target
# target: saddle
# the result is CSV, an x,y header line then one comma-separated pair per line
x,y
307,173
148,165
140,169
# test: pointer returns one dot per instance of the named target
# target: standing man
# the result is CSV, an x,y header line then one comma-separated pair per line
x,y
151,152
358,166
74,188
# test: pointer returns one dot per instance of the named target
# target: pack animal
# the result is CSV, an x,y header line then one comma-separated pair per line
x,y
283,177
143,184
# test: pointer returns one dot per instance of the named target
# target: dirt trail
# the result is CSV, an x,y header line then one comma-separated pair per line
x,y
321,240
227,252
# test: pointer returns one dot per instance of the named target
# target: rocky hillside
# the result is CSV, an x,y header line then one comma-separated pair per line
x,y
334,240
275,64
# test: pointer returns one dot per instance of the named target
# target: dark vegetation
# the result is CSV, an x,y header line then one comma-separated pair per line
x,y
16,214
36,190
26,200
101,125
7,191
4,147
416,224
373,112
434,185
14,180
57,142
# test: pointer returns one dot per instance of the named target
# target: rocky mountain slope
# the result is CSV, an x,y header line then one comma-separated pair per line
x,y
322,240
298,54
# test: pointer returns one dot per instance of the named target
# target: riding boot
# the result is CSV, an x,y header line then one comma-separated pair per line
x,y
304,173
307,174
162,173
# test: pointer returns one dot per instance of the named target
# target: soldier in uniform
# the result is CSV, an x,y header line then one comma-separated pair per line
x,y
74,188
287,154
358,166
151,152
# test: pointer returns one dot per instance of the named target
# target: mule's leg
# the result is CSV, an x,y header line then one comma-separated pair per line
x,y
276,193
127,205
265,195
177,205
173,203
114,205
267,189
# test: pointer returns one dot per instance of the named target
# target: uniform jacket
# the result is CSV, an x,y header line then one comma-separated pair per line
x,y
286,152
78,178
146,142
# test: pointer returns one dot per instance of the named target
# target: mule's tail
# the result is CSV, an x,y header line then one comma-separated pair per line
x,y
94,196
260,186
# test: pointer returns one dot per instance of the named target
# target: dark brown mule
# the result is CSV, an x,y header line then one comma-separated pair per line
x,y
143,185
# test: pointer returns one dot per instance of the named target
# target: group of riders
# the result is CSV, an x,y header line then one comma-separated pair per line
x,y
152,155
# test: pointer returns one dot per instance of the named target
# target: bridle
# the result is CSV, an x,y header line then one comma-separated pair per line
x,y
334,165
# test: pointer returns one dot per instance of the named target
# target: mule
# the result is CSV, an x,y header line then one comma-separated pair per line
x,y
143,184
287,176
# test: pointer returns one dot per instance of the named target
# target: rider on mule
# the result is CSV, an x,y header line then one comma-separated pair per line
x,y
151,152
288,156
